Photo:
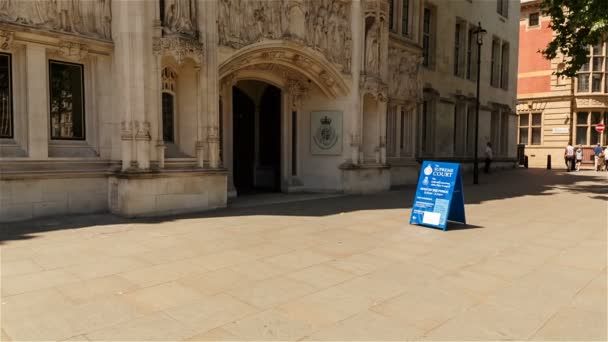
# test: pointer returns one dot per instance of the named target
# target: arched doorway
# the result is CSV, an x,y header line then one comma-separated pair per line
x,y
256,137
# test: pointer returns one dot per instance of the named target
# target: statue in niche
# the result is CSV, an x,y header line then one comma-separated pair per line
x,y
297,20
180,16
372,50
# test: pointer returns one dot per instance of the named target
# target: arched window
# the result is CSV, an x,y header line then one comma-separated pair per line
x,y
169,78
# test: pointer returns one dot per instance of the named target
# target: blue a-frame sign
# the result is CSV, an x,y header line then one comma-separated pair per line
x,y
439,196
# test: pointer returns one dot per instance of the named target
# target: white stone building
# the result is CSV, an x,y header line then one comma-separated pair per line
x,y
151,107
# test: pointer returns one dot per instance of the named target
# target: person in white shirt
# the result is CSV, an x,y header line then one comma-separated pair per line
x,y
569,155
489,156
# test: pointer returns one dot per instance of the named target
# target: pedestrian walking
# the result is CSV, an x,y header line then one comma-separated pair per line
x,y
489,156
569,155
596,152
579,157
601,161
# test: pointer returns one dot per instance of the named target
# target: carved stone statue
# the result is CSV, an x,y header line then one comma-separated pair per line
x,y
180,16
297,21
321,24
85,17
372,50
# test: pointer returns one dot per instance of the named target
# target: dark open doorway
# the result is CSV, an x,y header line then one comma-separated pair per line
x,y
257,137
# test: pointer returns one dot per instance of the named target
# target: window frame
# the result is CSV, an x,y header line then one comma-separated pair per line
x,y
529,127
169,87
504,65
588,71
502,8
11,109
83,101
428,37
537,16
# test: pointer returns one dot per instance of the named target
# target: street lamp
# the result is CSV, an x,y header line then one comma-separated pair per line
x,y
479,33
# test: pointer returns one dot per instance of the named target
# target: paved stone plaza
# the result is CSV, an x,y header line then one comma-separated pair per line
x,y
532,266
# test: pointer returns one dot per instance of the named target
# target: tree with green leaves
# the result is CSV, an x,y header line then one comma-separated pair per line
x,y
577,24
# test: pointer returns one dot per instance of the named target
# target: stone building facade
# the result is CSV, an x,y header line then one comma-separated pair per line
x,y
151,107
553,111
447,113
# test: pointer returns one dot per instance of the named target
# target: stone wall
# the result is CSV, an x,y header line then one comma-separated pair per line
x,y
22,199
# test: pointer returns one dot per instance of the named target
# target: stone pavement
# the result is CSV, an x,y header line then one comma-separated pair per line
x,y
532,266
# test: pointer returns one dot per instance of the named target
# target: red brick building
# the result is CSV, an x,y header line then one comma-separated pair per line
x,y
553,111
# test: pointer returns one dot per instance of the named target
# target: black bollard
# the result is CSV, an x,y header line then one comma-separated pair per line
x,y
548,162
526,162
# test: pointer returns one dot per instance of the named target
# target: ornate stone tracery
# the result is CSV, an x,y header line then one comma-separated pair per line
x,y
179,47
90,18
180,17
323,25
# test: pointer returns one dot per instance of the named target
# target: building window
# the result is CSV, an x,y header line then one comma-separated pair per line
x,y
592,76
66,100
534,19
427,127
169,79
6,97
471,55
406,133
426,38
585,127
470,139
405,17
502,7
495,64
459,132
530,126
504,66
459,35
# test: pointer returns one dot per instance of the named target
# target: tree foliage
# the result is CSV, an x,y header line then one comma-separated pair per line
x,y
577,24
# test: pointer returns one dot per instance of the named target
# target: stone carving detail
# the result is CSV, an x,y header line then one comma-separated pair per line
x,y
6,40
85,17
297,91
372,50
180,17
143,130
320,24
179,47
592,102
72,50
404,79
126,130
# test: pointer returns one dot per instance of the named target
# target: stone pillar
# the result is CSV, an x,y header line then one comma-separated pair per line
x,y
356,102
37,101
160,144
382,104
200,116
228,133
212,84
130,53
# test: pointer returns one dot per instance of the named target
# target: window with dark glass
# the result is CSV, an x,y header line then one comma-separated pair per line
x,y
405,17
592,75
582,128
426,37
502,7
66,100
504,66
495,64
457,49
534,19
168,114
471,57
6,97
391,13
530,126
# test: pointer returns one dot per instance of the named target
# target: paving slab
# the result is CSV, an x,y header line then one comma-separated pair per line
x,y
531,265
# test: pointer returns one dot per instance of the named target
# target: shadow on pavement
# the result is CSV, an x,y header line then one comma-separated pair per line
x,y
492,187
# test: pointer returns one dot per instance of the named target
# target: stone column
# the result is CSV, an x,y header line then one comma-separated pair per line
x,y
212,84
382,104
200,115
356,102
228,133
37,101
130,53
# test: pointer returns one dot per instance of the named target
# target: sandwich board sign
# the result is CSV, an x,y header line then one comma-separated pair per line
x,y
439,197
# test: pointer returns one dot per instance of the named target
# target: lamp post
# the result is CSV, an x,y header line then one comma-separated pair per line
x,y
479,32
